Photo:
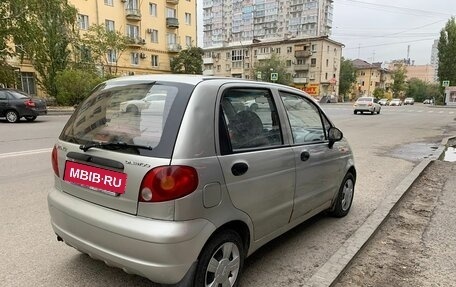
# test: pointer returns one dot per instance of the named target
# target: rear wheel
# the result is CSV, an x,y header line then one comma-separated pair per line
x,y
344,199
12,116
221,261
30,118
355,112
378,111
132,109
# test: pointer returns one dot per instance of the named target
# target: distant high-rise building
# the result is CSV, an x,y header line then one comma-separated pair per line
x,y
237,21
435,59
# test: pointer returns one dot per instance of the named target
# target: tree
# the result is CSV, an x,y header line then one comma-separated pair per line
x,y
379,93
447,52
102,47
189,61
399,75
46,32
347,76
273,65
74,85
417,89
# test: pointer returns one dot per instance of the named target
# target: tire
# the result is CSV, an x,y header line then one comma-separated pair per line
x,y
12,116
355,112
373,112
253,107
226,252
30,118
378,111
132,109
344,199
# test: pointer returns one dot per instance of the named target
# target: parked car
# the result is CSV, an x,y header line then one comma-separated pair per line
x,y
395,102
184,196
15,104
366,104
409,101
154,101
428,101
383,102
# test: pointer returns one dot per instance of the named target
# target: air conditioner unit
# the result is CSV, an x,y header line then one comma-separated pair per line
x,y
312,77
143,41
142,55
150,30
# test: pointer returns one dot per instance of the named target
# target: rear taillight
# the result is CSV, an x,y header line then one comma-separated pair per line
x,y
55,162
370,104
29,104
165,183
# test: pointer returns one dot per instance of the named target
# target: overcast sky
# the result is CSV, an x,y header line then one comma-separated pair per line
x,y
382,30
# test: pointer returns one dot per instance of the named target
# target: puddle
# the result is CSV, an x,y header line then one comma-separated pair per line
x,y
449,154
415,151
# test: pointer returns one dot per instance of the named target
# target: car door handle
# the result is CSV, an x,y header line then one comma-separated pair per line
x,y
239,168
305,155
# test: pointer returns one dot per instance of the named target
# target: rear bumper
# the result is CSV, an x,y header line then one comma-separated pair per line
x,y
162,251
364,109
34,112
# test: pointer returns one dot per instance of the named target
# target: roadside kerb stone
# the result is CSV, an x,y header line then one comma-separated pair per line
x,y
60,111
327,274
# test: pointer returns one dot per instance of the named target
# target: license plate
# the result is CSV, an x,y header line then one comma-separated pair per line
x,y
100,179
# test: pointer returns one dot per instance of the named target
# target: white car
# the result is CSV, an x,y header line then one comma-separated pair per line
x,y
366,104
409,101
151,102
395,102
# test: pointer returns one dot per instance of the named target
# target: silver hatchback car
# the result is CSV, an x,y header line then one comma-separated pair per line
x,y
184,195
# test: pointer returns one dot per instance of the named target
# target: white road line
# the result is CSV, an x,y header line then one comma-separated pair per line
x,y
451,113
23,153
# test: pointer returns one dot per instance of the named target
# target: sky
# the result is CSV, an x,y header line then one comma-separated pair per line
x,y
383,30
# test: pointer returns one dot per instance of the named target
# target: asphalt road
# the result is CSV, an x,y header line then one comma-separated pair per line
x,y
386,147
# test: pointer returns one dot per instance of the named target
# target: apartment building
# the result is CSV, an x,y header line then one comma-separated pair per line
x,y
158,30
313,64
369,77
235,21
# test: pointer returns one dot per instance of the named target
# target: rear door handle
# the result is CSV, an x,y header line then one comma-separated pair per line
x,y
305,155
239,168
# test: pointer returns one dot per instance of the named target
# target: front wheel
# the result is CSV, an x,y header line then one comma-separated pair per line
x,y
221,261
344,199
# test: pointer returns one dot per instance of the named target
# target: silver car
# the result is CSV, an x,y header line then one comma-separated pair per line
x,y
366,104
185,195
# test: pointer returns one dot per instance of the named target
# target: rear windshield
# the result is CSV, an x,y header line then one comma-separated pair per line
x,y
365,100
135,113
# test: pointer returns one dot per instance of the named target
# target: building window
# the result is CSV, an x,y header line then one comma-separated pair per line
x,y
326,76
227,67
83,22
188,41
289,50
153,9
154,36
236,55
28,83
154,60
218,68
314,47
109,2
111,55
132,31
110,26
288,63
277,50
172,39
327,62
188,18
313,62
132,5
135,58
170,12
228,55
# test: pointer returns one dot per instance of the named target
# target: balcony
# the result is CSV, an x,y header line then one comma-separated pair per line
x,y
300,80
172,23
133,14
208,72
263,57
301,67
172,2
174,48
136,42
237,71
303,54
208,60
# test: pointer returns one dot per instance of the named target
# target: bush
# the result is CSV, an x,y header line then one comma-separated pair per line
x,y
74,85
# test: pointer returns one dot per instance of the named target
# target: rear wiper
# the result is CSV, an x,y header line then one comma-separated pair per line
x,y
86,147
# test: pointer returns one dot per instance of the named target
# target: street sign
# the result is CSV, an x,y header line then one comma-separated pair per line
x,y
446,83
274,76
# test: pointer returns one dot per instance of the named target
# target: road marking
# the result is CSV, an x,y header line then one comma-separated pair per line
x,y
23,153
451,113
441,112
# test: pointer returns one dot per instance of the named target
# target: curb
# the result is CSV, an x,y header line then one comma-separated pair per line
x,y
329,272
59,112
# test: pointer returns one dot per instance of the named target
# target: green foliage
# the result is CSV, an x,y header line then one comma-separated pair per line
x,y
44,33
273,65
347,76
420,90
97,42
379,93
75,85
447,53
189,61
399,75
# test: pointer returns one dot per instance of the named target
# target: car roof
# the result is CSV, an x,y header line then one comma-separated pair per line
x,y
181,78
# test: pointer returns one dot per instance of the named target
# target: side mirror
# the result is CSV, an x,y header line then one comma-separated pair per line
x,y
334,135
